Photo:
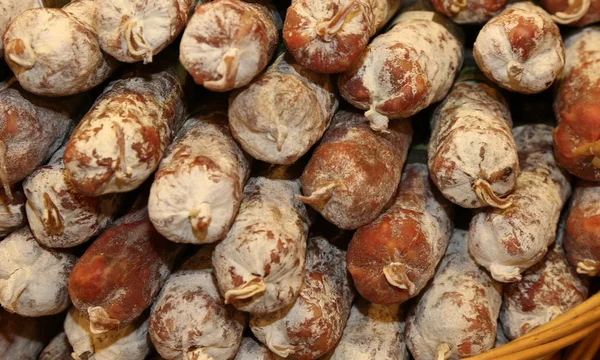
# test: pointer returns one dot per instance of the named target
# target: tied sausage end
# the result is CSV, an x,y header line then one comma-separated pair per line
x,y
587,149
51,218
441,352
20,53
588,267
329,28
486,194
395,274
282,351
197,354
378,121
575,11
201,217
515,71
505,274
458,5
319,197
11,291
253,287
136,43
227,70
4,172
100,321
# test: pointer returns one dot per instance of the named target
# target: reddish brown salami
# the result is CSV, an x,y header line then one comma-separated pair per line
x,y
456,317
355,172
22,338
469,11
197,190
12,212
520,49
251,349
227,43
329,36
58,349
573,13
392,259
283,112
404,70
120,141
472,154
312,325
509,241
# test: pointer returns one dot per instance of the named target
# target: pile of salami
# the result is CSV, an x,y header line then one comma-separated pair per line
x,y
314,179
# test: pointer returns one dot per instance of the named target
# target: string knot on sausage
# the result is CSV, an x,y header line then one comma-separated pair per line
x,y
99,318
136,43
227,70
588,267
486,194
52,220
329,28
21,53
253,287
395,274
201,217
3,172
378,121
442,350
458,5
505,273
575,11
319,197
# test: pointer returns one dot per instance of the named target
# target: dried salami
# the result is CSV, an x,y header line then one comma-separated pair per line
x,y
329,36
404,70
227,43
392,259
573,13
58,349
520,49
283,112
355,172
12,212
251,349
466,298
469,11
508,241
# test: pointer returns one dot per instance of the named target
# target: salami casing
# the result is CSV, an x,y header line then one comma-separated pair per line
x,y
404,70
23,338
58,349
312,325
329,36
251,349
573,13
392,259
456,317
355,172
12,212
520,49
197,190
283,112
227,43
469,11
509,241
472,154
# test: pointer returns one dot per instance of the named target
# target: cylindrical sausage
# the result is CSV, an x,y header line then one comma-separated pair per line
x,y
469,11
58,349
12,212
354,172
573,13
392,259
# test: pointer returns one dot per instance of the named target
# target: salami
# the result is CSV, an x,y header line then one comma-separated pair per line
x,y
23,338
392,259
472,154
197,190
508,241
573,13
404,70
329,36
58,349
466,298
581,239
12,212
121,273
354,172
120,141
469,11
136,30
260,264
55,52
283,112
251,349
520,49
577,137
229,42
312,325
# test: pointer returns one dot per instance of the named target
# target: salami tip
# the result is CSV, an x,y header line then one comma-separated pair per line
x,y
575,11
201,217
21,53
197,354
458,5
442,350
319,197
283,351
588,267
254,287
3,172
227,69
100,321
53,223
136,44
505,274
329,28
378,122
486,194
395,274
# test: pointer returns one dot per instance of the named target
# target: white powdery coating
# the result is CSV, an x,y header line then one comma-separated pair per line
x,y
9,9
157,22
58,349
459,308
251,349
21,338
471,140
540,53
12,212
33,279
203,167
283,112
582,48
267,244
129,343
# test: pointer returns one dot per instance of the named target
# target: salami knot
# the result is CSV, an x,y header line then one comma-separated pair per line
x,y
227,71
319,197
575,10
136,43
378,121
395,274
441,352
21,53
329,28
588,267
52,220
457,5
505,274
201,217
3,172
197,354
486,194
253,287
100,321
515,71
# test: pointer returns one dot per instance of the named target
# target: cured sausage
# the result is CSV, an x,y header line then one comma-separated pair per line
x,y
251,349
469,11
509,241
329,36
33,279
23,338
312,325
354,172
283,112
229,42
118,144
472,154
12,212
577,136
260,264
573,13
392,259
467,299
197,190
58,349
405,69
520,49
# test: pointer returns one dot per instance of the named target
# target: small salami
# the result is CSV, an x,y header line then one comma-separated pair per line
x,y
582,238
23,338
251,349
577,136
404,70
129,342
283,112
355,172
260,264
120,141
58,349
229,42
508,241
472,154
329,36
33,279
312,325
197,190
573,13
12,212
469,11
520,49
392,259
121,273
456,317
